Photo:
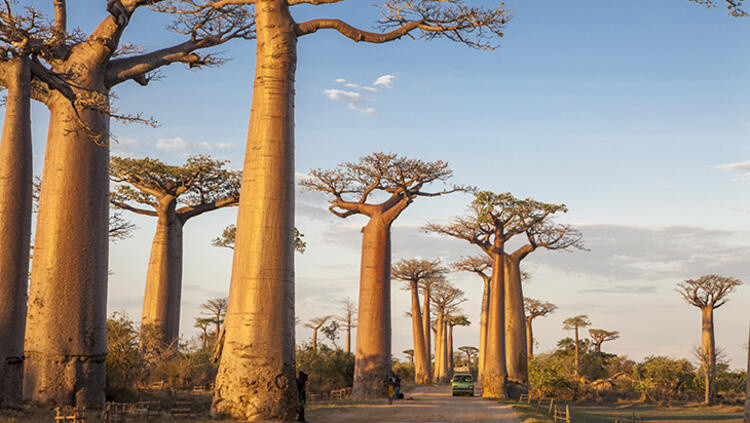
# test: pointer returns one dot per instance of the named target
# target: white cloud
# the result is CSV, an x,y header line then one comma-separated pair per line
x,y
385,80
341,80
123,146
743,167
367,111
172,144
224,145
205,146
349,97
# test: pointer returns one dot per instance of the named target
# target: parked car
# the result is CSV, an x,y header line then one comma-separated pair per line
x,y
462,384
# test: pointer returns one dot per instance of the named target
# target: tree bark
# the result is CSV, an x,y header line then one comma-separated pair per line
x,y
349,338
421,372
373,356
256,376
578,361
515,327
495,371
708,350
440,349
315,340
66,341
161,301
450,351
529,339
483,331
16,173
427,330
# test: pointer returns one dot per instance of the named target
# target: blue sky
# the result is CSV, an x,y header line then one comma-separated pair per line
x,y
622,110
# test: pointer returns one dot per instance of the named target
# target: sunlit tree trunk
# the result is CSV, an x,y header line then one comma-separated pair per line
x,y
515,325
578,361
349,338
66,321
161,302
256,377
450,351
708,352
421,373
315,340
427,330
373,356
16,172
440,347
529,339
495,373
483,331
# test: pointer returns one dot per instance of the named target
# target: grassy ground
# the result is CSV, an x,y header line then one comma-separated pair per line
x,y
678,413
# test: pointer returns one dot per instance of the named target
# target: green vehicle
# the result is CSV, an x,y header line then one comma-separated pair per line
x,y
463,384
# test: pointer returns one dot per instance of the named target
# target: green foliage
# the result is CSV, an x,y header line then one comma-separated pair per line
x,y
552,375
403,370
229,235
122,352
327,368
662,378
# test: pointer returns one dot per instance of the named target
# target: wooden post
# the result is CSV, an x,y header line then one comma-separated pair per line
x,y
567,414
551,402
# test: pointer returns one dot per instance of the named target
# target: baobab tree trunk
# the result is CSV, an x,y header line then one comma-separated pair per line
x,y
529,339
440,347
256,375
421,372
161,301
708,352
66,341
483,331
450,351
372,361
15,227
427,330
495,373
349,338
315,340
515,327
578,361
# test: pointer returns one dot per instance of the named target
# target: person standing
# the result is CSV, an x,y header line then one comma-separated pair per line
x,y
302,393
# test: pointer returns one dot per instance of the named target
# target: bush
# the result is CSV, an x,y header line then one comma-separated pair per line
x,y
327,368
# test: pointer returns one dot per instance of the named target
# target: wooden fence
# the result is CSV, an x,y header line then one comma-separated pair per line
x,y
68,414
335,394
559,413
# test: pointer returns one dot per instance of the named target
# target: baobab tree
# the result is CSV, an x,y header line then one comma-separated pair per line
x,y
734,7
600,336
202,324
263,256
315,324
174,195
470,352
65,335
414,271
446,299
227,237
492,220
348,321
534,308
452,321
215,310
409,355
479,265
352,184
574,323
708,293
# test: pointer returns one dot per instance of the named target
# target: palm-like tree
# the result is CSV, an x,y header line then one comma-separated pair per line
x,y
574,323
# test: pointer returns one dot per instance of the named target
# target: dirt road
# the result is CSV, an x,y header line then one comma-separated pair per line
x,y
428,404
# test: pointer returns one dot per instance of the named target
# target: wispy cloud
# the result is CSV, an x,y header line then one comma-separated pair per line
x,y
125,146
743,167
178,144
355,96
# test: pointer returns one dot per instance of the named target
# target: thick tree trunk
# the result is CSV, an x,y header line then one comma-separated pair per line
x,y
515,325
495,372
708,350
746,418
578,361
66,341
161,301
440,347
421,372
373,357
483,331
315,341
349,338
450,351
598,348
15,228
427,330
256,377
529,339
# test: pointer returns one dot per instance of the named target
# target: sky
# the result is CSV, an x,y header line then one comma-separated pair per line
x,y
635,114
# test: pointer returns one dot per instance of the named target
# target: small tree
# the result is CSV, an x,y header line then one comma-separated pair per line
x,y
708,293
414,272
399,180
452,321
202,324
315,324
228,236
470,352
600,336
349,321
446,299
409,355
479,265
200,185
574,323
215,309
534,308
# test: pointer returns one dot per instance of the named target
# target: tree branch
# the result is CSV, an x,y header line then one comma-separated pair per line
x,y
189,212
353,33
125,206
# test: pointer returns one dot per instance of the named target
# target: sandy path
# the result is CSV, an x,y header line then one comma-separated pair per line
x,y
429,404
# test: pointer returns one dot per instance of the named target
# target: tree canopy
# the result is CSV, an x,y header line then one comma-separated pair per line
x,y
535,308
575,322
708,290
228,236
